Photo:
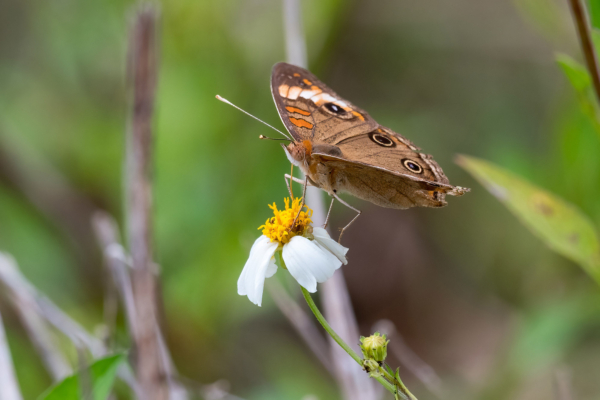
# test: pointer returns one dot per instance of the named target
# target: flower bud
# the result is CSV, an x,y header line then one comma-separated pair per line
x,y
372,367
374,347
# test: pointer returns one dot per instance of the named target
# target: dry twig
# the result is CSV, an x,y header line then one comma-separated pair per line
x,y
18,287
117,262
9,387
354,383
143,56
39,333
564,390
419,368
587,45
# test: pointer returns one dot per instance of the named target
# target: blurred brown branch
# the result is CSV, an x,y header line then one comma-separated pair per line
x,y
118,262
52,195
563,378
354,383
143,59
407,357
585,37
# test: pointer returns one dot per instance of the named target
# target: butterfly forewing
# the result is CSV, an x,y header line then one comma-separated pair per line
x,y
312,111
379,164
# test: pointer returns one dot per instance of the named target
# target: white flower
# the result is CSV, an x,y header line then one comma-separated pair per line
x,y
309,254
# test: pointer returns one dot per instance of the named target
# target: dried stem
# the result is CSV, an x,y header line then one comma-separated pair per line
x,y
51,194
143,74
295,44
338,309
563,378
39,333
9,387
419,368
302,322
33,301
117,262
587,45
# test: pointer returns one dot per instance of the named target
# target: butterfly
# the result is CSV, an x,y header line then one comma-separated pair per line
x,y
340,148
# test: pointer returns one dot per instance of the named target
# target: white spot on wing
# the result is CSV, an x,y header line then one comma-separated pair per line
x,y
307,94
294,92
283,90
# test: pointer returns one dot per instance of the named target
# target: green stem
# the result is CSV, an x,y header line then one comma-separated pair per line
x,y
343,345
399,384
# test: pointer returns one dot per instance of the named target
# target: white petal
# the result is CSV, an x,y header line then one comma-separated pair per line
x,y
308,262
252,279
323,238
271,268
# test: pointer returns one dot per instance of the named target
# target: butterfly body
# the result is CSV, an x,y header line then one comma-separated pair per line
x,y
340,148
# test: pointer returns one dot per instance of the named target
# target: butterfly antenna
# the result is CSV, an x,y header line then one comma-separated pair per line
x,y
258,119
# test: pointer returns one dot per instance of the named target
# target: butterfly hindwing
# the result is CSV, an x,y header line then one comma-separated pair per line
x,y
370,161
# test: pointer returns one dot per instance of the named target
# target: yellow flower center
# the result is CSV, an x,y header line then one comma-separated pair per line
x,y
279,228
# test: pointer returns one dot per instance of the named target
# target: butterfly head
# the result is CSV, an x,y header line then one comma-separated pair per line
x,y
299,152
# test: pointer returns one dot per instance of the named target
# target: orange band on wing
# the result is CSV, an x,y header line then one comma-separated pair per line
x,y
296,74
297,110
307,81
301,123
359,115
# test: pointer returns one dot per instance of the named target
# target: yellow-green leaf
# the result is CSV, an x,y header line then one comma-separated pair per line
x,y
99,378
577,73
561,225
581,81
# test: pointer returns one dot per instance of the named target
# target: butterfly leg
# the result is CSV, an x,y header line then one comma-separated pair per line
x,y
329,213
305,183
353,219
297,180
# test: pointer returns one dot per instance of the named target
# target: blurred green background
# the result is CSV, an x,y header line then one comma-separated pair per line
x,y
472,292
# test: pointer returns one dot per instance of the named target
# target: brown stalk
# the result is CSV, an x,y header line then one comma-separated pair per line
x,y
117,262
585,37
337,308
143,59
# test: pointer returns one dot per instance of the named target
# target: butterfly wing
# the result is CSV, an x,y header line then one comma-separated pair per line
x,y
370,161
312,111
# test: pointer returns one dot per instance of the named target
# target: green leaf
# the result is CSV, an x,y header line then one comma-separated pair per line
x,y
100,375
594,10
577,73
560,225
389,369
546,334
580,79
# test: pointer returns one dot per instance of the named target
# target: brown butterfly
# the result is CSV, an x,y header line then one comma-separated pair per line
x,y
340,148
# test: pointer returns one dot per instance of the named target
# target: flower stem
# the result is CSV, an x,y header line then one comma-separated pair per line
x,y
402,392
397,382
